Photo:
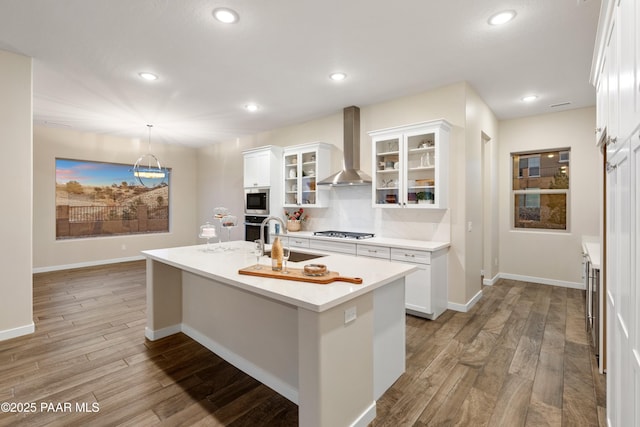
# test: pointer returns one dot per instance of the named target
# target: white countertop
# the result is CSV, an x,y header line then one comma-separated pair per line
x,y
592,249
422,245
224,266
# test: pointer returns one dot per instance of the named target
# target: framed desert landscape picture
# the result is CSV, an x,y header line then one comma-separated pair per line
x,y
96,199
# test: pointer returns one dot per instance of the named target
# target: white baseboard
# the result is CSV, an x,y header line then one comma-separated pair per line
x,y
243,364
86,264
465,307
492,281
162,333
542,280
17,332
366,417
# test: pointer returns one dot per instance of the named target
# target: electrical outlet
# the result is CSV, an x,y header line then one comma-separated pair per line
x,y
350,315
482,273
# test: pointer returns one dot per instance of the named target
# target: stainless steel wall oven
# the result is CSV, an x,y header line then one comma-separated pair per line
x,y
252,228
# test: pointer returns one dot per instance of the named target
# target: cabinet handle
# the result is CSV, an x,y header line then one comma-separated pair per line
x,y
611,167
372,251
598,130
410,255
613,140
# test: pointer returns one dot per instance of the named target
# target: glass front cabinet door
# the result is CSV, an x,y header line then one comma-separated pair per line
x,y
304,165
410,166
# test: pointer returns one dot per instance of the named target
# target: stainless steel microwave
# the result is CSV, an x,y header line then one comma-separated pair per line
x,y
256,201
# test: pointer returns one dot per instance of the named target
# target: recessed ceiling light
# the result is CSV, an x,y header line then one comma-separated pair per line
x,y
337,76
251,107
502,17
529,98
225,15
148,76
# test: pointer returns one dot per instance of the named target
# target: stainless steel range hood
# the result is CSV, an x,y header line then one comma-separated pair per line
x,y
350,173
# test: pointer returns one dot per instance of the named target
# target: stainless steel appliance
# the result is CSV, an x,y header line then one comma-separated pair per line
x,y
256,201
343,234
252,225
350,173
591,277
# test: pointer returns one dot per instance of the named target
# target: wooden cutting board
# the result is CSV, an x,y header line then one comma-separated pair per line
x,y
298,275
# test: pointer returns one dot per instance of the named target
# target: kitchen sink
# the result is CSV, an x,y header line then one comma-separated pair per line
x,y
298,256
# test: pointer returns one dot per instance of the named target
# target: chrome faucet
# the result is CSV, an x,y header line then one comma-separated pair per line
x,y
266,220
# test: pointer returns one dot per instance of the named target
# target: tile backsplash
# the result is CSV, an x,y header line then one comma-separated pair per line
x,y
350,210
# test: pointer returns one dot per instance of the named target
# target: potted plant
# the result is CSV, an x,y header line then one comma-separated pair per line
x,y
430,197
422,197
425,197
295,219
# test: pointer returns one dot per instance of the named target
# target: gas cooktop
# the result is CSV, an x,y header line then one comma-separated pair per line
x,y
343,234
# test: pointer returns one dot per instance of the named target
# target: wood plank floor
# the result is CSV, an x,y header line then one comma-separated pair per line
x,y
519,357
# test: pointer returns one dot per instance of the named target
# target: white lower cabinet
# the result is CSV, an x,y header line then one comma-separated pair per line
x,y
418,290
426,288
330,246
297,242
374,251
426,292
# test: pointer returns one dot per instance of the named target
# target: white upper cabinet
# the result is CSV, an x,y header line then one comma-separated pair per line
x,y
304,165
626,68
262,166
410,166
612,83
602,100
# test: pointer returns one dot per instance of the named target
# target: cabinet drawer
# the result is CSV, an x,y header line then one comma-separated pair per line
x,y
298,242
374,251
407,255
339,247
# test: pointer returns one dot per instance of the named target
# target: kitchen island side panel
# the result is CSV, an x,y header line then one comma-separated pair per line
x,y
256,334
164,300
336,365
389,352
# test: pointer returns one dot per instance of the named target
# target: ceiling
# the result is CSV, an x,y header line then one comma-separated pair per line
x,y
87,55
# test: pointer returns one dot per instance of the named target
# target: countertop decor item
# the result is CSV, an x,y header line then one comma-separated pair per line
x,y
294,219
229,222
293,225
276,255
297,274
208,232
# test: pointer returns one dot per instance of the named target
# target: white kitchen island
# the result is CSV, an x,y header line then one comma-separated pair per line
x,y
332,349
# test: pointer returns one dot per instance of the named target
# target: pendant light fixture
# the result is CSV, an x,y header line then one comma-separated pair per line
x,y
147,169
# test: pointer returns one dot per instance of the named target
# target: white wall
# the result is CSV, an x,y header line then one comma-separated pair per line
x,y
16,315
478,228
551,257
50,143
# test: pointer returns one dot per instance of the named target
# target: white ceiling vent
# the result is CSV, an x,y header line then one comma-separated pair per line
x,y
560,104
